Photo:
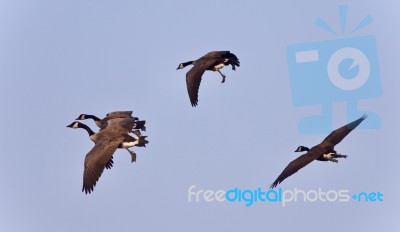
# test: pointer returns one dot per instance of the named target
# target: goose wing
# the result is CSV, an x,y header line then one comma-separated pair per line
x,y
121,122
338,135
119,114
193,79
296,165
217,54
121,125
96,160
110,163
193,76
220,56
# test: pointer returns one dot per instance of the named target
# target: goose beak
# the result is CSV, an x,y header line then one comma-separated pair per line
x,y
71,125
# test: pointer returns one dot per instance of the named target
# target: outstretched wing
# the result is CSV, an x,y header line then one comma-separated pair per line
x,y
110,163
119,114
217,54
223,55
193,78
337,135
121,125
96,160
115,115
295,165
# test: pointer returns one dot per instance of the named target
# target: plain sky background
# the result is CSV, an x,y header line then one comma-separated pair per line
x,y
59,59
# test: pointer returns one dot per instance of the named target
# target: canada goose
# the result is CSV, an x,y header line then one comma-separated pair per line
x,y
126,143
213,61
322,152
92,137
102,123
114,136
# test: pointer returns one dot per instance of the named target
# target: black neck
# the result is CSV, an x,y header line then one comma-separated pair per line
x,y
89,131
187,63
92,117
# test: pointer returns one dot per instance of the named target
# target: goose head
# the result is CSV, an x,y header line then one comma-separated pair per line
x,y
182,65
75,125
301,149
82,117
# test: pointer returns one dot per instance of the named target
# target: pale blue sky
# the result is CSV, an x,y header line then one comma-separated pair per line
x,y
59,59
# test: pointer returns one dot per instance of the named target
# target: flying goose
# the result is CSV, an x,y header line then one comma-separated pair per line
x,y
92,137
213,61
322,152
102,123
114,136
137,141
